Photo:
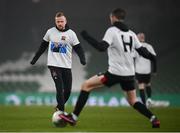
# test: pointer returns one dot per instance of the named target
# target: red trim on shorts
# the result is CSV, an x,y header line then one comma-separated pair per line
x,y
104,79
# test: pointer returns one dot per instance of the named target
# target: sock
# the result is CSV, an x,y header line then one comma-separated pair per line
x,y
74,116
143,110
142,95
148,91
56,74
82,99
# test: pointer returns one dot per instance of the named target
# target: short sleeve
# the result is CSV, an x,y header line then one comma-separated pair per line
x,y
108,37
137,43
46,36
74,39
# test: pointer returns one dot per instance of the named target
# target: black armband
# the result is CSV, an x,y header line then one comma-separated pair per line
x,y
145,53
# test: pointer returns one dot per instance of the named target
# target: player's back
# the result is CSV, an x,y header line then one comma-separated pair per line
x,y
122,45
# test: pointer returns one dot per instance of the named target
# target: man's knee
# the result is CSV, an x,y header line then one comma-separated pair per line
x,y
148,84
132,101
86,86
141,86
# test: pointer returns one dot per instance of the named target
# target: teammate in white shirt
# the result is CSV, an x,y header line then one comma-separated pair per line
x,y
144,68
60,41
120,42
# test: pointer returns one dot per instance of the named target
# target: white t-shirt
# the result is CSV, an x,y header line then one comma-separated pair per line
x,y
143,65
60,47
120,51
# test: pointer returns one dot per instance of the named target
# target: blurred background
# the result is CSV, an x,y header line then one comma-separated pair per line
x,y
23,24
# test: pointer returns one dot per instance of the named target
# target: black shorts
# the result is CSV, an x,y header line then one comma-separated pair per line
x,y
127,82
64,74
143,78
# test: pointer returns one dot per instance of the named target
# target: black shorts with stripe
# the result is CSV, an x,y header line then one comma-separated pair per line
x,y
126,82
143,78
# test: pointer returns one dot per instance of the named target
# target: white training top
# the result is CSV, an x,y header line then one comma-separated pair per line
x,y
143,65
60,47
120,52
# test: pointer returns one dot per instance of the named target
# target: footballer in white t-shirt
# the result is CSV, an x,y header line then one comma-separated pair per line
x,y
144,69
120,42
60,41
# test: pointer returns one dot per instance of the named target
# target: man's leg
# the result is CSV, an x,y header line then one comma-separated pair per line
x,y
149,102
131,97
67,80
141,87
57,77
88,85
148,90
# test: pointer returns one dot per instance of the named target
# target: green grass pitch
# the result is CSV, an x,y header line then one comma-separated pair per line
x,y
104,119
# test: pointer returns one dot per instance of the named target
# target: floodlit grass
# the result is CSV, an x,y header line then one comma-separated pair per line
x,y
38,119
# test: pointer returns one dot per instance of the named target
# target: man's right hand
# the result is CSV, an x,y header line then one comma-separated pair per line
x,y
32,62
83,62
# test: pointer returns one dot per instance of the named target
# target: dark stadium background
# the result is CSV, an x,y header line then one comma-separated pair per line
x,y
23,23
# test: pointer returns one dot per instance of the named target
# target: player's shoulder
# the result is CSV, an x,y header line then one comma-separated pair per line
x,y
132,33
71,32
112,28
51,29
117,29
